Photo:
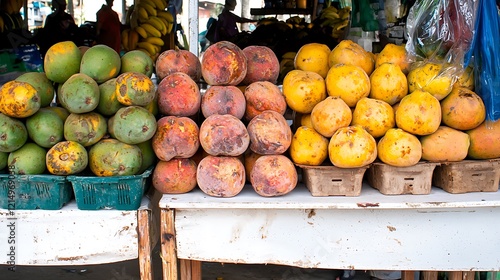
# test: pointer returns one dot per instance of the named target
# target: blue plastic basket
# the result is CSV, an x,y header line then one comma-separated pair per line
x,y
116,192
29,192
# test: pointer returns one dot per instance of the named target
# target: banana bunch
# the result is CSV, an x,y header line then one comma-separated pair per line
x,y
11,6
287,63
148,24
13,18
337,19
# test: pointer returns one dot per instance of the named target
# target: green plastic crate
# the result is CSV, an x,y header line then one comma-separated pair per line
x,y
29,192
117,192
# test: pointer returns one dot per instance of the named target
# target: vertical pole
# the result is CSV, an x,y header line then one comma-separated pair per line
x,y
245,12
193,28
144,236
168,250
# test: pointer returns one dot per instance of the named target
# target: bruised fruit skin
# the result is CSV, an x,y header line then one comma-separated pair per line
x,y
223,63
463,109
19,99
352,147
262,96
485,140
133,125
269,133
349,82
137,61
171,61
419,113
329,115
220,176
376,116
308,147
176,137
66,158
45,128
303,90
111,157
42,84
134,88
349,52
27,160
224,135
223,100
175,176
86,129
399,148
108,101
178,95
262,65
13,134
79,94
273,175
446,144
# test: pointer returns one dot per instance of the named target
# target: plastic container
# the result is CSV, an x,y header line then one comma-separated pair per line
x,y
30,192
117,192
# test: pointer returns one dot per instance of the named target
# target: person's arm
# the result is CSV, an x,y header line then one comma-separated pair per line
x,y
243,20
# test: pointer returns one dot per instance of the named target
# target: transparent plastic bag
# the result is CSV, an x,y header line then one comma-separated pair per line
x,y
487,58
442,32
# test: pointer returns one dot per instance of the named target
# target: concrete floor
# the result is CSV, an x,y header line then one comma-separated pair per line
x,y
129,270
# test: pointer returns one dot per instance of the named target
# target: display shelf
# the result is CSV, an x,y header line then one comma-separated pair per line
x,y
439,231
70,236
301,198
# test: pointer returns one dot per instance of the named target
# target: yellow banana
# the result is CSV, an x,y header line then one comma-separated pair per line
x,y
166,15
143,14
168,28
150,9
125,33
289,55
156,23
148,47
160,5
141,31
149,2
155,41
151,30
133,39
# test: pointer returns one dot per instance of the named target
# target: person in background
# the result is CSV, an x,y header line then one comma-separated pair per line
x,y
108,30
59,26
226,23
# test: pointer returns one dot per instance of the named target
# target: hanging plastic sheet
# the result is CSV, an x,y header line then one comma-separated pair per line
x,y
487,58
442,32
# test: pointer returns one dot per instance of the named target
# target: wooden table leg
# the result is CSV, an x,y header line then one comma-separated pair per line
x,y
190,269
144,234
429,275
407,275
455,275
168,249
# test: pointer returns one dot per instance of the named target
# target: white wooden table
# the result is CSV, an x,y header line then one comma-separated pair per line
x,y
70,236
435,232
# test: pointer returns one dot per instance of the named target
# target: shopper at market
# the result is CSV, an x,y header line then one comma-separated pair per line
x,y
108,30
226,23
59,26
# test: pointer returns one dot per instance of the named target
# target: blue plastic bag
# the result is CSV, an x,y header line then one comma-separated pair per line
x,y
487,58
